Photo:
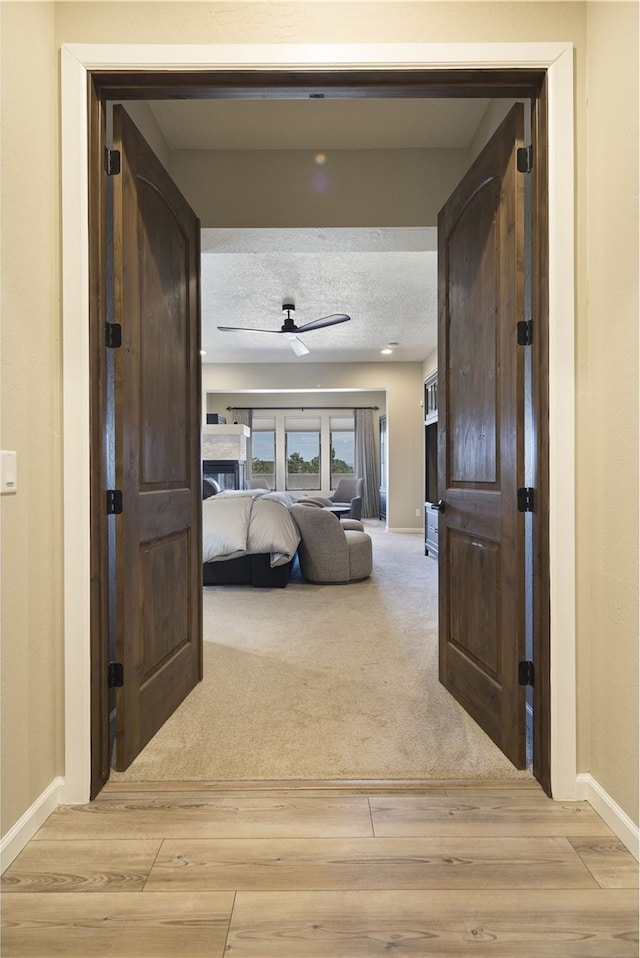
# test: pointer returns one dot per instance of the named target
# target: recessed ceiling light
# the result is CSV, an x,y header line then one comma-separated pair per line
x,y
203,352
386,352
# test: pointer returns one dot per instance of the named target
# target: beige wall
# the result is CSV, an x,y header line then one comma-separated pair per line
x,y
606,369
274,188
608,383
403,385
31,411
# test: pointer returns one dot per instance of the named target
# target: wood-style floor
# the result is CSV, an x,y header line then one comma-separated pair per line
x,y
492,869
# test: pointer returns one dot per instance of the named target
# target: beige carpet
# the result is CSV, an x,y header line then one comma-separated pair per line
x,y
324,682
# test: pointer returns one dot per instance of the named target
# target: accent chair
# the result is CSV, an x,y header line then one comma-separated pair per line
x,y
348,492
257,484
329,553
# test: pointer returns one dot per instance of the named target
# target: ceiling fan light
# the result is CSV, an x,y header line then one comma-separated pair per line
x,y
296,344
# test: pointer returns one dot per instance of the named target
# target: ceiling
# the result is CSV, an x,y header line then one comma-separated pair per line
x,y
384,279
341,124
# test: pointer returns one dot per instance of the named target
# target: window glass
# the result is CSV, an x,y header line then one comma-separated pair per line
x,y
302,436
342,448
263,449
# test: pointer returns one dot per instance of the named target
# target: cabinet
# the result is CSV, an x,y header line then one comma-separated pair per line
x,y
382,427
431,524
430,531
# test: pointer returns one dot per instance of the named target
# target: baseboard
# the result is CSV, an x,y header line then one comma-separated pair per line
x,y
25,828
609,810
418,532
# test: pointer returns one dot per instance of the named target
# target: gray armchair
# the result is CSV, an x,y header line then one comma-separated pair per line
x,y
329,553
209,487
348,492
257,484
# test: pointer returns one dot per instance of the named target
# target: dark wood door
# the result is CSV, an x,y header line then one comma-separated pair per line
x,y
481,443
157,442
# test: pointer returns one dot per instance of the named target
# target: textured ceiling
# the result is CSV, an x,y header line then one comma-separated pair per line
x,y
385,280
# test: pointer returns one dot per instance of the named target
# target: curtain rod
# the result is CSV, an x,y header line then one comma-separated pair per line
x,y
301,408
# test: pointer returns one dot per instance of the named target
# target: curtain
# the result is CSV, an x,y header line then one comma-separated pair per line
x,y
245,418
366,464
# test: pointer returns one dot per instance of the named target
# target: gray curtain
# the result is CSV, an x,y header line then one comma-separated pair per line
x,y
245,418
366,464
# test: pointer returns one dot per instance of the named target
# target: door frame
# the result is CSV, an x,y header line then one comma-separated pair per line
x,y
78,62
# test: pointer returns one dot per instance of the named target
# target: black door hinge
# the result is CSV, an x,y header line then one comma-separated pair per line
x,y
525,499
113,335
115,675
114,502
524,159
525,672
525,332
111,161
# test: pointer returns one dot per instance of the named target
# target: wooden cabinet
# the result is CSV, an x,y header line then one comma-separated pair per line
x,y
430,403
430,531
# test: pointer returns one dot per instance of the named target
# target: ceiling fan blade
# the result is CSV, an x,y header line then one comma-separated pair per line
x,y
296,344
247,329
332,320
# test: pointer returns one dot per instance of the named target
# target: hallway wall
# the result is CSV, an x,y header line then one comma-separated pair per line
x,y
606,49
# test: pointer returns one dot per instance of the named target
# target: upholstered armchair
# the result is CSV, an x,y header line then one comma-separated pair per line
x,y
257,484
209,487
348,492
328,552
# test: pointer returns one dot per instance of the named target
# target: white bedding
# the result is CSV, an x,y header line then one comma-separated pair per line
x,y
236,524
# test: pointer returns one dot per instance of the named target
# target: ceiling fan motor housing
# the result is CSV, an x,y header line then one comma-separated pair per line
x,y
288,326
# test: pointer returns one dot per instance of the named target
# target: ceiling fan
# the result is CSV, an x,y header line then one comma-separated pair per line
x,y
290,329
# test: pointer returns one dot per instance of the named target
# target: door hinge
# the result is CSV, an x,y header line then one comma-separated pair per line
x,y
115,675
114,502
524,159
525,499
525,672
111,161
525,332
113,335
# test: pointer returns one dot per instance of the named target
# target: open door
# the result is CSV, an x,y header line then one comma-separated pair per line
x,y
481,441
157,398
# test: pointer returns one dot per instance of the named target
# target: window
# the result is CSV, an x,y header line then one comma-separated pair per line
x,y
302,452
263,449
342,447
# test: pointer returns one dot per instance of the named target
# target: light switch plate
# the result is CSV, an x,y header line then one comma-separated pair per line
x,y
8,472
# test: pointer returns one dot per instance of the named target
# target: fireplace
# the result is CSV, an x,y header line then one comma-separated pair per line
x,y
228,473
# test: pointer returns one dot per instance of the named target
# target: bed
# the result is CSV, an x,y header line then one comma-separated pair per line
x,y
248,537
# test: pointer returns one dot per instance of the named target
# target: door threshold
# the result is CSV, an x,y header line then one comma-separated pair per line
x,y
353,786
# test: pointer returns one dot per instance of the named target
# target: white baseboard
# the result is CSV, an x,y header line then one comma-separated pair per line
x,y
25,828
417,532
609,810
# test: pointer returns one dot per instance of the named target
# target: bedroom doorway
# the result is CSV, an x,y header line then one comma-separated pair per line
x,y
390,84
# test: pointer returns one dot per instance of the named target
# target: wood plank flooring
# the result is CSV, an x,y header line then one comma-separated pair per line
x,y
452,869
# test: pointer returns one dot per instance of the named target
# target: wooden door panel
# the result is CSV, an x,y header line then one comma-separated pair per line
x,y
475,565
158,467
481,440
164,344
164,567
472,259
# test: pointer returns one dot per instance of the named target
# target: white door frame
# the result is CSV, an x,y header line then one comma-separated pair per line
x,y
76,61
